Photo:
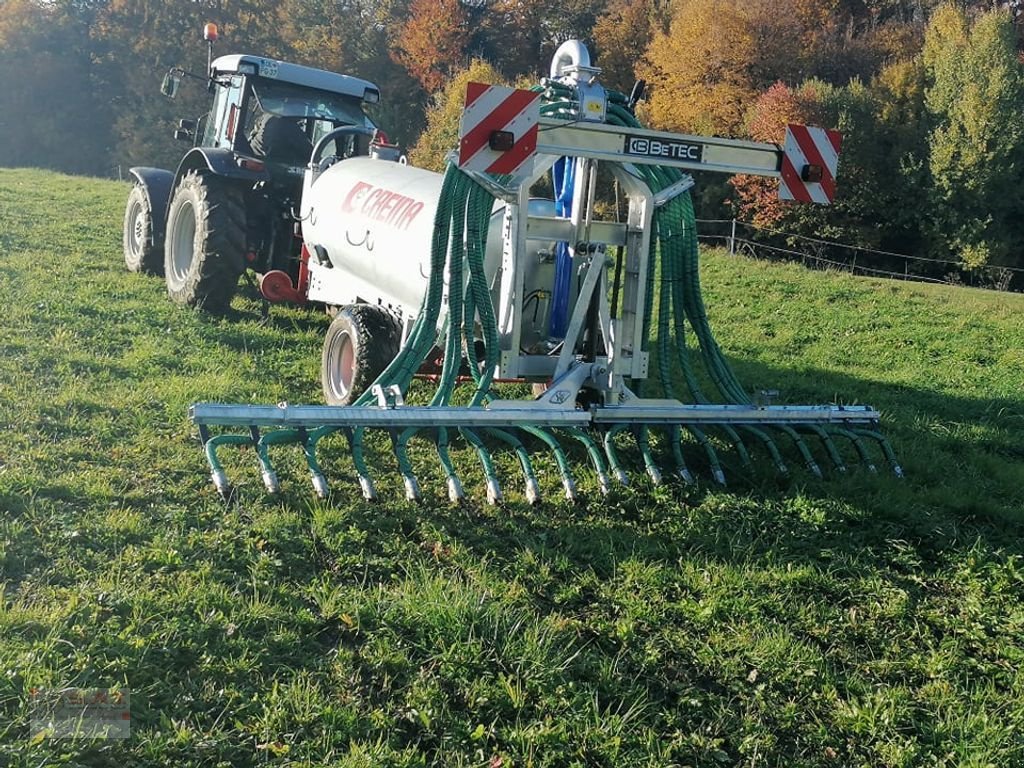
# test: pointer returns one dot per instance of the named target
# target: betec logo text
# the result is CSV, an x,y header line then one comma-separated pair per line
x,y
676,150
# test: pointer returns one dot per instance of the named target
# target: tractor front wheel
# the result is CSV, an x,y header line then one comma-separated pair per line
x,y
141,252
204,250
361,342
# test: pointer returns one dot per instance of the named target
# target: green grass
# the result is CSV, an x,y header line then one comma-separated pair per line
x,y
855,621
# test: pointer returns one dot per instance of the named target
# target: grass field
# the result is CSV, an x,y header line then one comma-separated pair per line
x,y
858,620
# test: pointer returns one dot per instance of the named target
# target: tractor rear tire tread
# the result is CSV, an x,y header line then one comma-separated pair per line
x,y
219,258
141,252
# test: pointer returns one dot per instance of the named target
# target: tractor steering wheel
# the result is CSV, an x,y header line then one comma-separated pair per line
x,y
321,164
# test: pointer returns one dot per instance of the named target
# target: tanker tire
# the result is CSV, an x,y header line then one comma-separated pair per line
x,y
141,252
360,343
204,249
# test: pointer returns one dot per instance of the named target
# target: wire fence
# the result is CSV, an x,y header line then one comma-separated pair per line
x,y
744,238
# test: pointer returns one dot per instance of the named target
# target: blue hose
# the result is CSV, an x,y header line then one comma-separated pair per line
x,y
564,173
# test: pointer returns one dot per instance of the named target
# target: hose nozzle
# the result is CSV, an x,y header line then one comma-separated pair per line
x,y
220,482
320,486
270,480
366,486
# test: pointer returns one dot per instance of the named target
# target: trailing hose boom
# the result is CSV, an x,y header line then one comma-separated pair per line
x,y
464,276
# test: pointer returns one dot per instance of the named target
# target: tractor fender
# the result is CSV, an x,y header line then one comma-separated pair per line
x,y
219,162
157,184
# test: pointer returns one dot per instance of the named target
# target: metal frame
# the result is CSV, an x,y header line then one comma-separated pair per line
x,y
622,335
590,143
519,413
599,141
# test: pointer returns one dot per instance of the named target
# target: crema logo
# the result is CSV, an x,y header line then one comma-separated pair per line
x,y
381,205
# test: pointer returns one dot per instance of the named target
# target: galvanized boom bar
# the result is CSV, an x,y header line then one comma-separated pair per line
x,y
403,416
599,141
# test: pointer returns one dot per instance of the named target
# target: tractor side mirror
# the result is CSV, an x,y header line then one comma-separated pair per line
x,y
169,86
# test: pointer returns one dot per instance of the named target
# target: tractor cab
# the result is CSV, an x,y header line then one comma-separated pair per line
x,y
276,112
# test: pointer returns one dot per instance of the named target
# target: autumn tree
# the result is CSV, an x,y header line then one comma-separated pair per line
x,y
699,70
50,115
863,204
442,132
519,37
565,20
884,142
975,99
717,55
757,197
898,93
621,36
327,34
357,38
432,43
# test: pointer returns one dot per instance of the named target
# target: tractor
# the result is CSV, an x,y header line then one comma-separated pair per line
x,y
231,203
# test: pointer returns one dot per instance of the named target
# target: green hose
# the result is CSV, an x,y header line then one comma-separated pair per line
x,y
459,240
675,227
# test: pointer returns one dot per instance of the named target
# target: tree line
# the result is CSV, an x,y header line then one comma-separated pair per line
x,y
929,96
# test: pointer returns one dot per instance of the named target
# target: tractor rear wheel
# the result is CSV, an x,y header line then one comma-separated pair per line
x,y
361,342
141,252
204,250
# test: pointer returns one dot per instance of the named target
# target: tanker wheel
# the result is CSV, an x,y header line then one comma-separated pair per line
x,y
361,341
141,252
204,250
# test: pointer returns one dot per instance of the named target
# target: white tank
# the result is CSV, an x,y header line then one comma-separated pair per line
x,y
374,221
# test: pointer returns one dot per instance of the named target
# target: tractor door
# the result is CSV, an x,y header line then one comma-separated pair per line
x,y
225,115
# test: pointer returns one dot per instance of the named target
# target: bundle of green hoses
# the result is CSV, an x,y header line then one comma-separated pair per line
x,y
459,241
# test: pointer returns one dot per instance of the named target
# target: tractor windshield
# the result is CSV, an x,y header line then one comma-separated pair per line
x,y
283,121
286,100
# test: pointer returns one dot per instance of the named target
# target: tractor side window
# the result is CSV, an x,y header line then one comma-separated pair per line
x,y
224,117
233,121
211,131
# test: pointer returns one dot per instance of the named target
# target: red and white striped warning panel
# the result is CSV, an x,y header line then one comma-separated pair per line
x,y
810,158
498,132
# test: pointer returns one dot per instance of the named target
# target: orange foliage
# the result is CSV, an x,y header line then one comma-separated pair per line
x,y
717,55
444,115
621,35
699,69
432,43
757,198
